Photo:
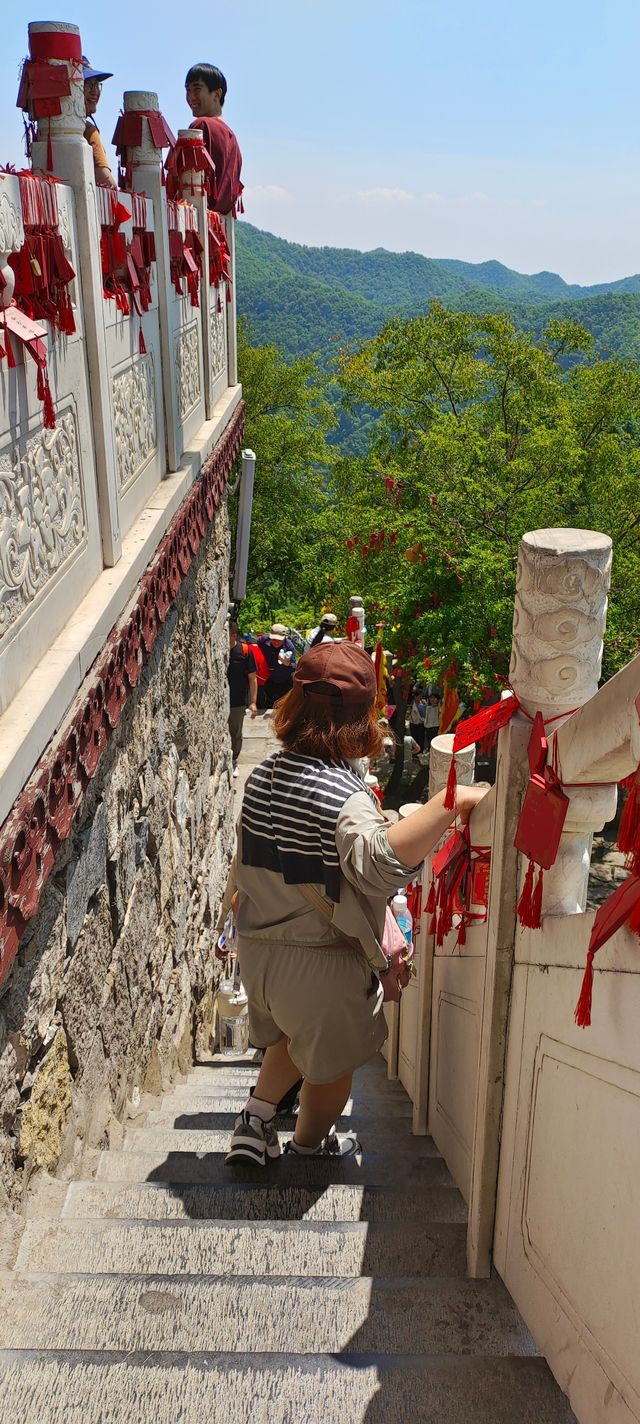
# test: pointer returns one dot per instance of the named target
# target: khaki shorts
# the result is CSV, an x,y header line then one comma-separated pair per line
x,y
327,1003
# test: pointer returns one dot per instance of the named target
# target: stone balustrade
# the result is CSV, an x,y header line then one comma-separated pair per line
x,y
118,434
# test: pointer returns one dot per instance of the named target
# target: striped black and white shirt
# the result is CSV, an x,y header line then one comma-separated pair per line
x,y
289,813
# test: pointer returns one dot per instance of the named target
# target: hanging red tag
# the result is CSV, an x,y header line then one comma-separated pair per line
x,y
621,908
542,819
538,747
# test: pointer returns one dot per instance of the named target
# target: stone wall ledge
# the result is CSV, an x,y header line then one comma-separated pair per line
x,y
31,720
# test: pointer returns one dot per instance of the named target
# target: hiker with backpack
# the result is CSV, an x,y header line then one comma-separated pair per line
x,y
243,689
315,865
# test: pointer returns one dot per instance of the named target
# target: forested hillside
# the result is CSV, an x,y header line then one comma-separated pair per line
x,y
316,299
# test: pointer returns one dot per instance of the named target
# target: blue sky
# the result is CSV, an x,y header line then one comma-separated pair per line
x,y
458,128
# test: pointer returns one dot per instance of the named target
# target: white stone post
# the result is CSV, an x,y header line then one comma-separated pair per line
x,y
558,625
73,164
440,755
559,618
440,761
146,166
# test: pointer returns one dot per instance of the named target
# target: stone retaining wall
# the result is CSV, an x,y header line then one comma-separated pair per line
x,y
112,989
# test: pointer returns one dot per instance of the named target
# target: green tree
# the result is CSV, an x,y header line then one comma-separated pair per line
x,y
482,433
288,419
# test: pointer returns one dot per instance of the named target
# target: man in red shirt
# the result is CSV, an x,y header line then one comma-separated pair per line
x,y
206,90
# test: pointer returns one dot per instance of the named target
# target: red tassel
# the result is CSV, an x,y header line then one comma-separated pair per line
x,y
44,394
462,933
431,899
629,833
525,903
49,151
11,360
536,902
142,347
582,1013
452,782
65,312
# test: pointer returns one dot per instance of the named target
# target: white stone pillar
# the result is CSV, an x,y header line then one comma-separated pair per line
x,y
73,164
440,755
558,625
146,164
44,37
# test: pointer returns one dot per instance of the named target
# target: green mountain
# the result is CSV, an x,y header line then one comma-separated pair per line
x,y
315,299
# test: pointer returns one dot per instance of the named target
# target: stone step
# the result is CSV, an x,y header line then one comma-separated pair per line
x,y
396,1140
375,1170
302,1315
233,1100
157,1201
217,1248
213,1118
64,1387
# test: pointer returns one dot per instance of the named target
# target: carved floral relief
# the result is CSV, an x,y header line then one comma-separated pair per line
x,y
218,344
42,514
187,370
134,411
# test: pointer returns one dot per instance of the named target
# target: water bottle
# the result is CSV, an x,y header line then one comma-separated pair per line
x,y
233,1019
401,912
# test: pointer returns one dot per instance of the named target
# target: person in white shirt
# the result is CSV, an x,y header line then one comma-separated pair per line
x,y
431,721
325,631
417,715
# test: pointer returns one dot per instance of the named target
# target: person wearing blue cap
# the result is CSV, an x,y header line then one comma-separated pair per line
x,y
92,90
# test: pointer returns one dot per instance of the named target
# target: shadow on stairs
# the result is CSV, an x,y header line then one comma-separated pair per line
x,y
174,1289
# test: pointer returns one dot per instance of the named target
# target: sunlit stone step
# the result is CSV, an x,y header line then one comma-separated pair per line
x,y
248,1202
283,1248
181,1166
304,1316
69,1388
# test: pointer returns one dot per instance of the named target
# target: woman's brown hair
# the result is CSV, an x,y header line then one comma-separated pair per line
x,y
325,729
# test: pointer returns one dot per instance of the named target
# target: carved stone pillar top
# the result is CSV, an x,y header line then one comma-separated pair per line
x,y
559,618
440,756
136,99
146,153
55,42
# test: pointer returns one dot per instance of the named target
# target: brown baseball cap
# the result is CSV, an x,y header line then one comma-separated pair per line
x,y
337,672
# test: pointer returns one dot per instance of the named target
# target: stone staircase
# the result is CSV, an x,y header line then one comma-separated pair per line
x,y
174,1290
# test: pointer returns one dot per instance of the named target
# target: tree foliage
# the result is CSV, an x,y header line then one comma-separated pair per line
x,y
482,434
288,419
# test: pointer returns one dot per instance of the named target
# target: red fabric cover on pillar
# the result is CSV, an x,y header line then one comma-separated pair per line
x,y
622,907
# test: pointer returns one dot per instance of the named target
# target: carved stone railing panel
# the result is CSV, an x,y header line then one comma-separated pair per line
x,y
42,515
49,526
136,428
187,367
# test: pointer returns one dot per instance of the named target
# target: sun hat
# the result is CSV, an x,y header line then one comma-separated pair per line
x,y
89,73
278,630
337,672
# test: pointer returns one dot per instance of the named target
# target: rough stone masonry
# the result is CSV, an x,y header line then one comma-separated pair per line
x,y
113,987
